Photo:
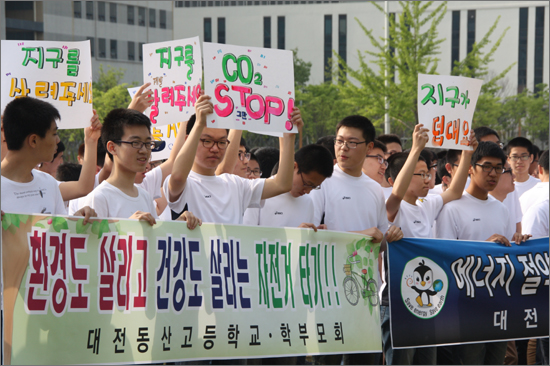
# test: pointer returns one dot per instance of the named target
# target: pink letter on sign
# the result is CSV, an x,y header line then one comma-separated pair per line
x,y
223,99
276,111
288,124
243,90
258,114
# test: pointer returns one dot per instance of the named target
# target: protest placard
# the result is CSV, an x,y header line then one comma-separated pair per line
x,y
174,69
446,106
451,292
122,291
57,72
251,88
166,134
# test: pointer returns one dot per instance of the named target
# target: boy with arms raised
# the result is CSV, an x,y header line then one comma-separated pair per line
x,y
126,134
410,176
479,216
224,198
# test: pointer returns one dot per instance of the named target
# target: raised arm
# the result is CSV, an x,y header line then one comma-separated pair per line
x,y
458,183
403,180
85,184
282,182
186,156
231,155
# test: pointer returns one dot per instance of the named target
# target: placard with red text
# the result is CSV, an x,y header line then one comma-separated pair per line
x,y
446,106
251,88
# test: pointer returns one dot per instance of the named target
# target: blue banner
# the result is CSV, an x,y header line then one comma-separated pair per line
x,y
450,291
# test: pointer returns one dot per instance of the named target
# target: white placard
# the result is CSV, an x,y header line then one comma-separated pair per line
x,y
251,88
165,133
446,105
57,72
174,69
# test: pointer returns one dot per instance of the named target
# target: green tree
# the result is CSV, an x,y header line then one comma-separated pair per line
x,y
302,70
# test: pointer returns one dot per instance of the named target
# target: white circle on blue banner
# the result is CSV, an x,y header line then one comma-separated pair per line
x,y
424,286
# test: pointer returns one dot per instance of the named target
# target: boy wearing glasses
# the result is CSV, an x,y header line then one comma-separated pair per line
x,y
410,176
312,165
479,216
375,165
520,158
221,198
126,134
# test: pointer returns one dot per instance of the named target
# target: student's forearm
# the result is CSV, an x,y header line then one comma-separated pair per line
x,y
458,183
167,166
401,184
230,159
282,182
184,162
85,183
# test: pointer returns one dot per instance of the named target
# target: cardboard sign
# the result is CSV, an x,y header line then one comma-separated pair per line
x,y
123,291
446,105
57,72
174,69
166,133
251,88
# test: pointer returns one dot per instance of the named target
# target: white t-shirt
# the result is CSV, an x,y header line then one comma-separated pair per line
x,y
350,203
39,196
109,201
523,187
152,182
77,204
469,218
251,216
438,189
535,220
387,192
538,193
219,199
416,221
283,211
514,212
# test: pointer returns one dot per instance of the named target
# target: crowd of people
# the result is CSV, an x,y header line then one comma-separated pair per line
x,y
352,181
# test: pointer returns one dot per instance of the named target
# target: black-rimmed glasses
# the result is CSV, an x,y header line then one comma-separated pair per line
x,y
381,160
222,145
149,145
309,185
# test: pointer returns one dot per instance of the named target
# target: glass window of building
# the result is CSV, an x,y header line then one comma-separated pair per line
x,y
101,11
267,32
131,51
162,20
281,33
113,49
112,12
221,30
152,18
102,47
141,16
208,29
131,15
90,10
92,45
77,9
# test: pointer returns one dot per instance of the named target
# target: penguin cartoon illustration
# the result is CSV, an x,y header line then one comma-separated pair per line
x,y
423,283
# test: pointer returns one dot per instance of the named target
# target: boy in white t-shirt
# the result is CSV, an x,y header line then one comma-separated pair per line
x,y
312,165
540,191
350,200
223,198
520,157
479,216
535,219
126,134
410,177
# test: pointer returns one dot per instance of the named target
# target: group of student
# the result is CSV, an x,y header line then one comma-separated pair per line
x,y
351,181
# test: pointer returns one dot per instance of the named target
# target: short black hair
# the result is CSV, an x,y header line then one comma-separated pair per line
x,y
380,145
441,169
543,161
428,156
361,123
388,138
26,116
483,131
68,172
267,158
243,143
396,162
453,156
116,120
191,123
535,150
314,158
328,142
519,142
488,149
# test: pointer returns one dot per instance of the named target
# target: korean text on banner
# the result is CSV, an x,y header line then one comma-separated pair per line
x,y
174,69
446,106
166,134
251,88
450,292
122,291
57,72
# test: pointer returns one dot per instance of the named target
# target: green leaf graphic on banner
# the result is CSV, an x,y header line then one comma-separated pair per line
x,y
376,251
103,228
350,248
371,262
6,221
59,223
360,243
15,220
370,272
360,261
81,228
23,218
95,227
39,225
119,230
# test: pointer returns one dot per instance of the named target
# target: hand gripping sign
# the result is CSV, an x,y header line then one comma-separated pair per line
x,y
174,69
446,105
57,72
251,88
